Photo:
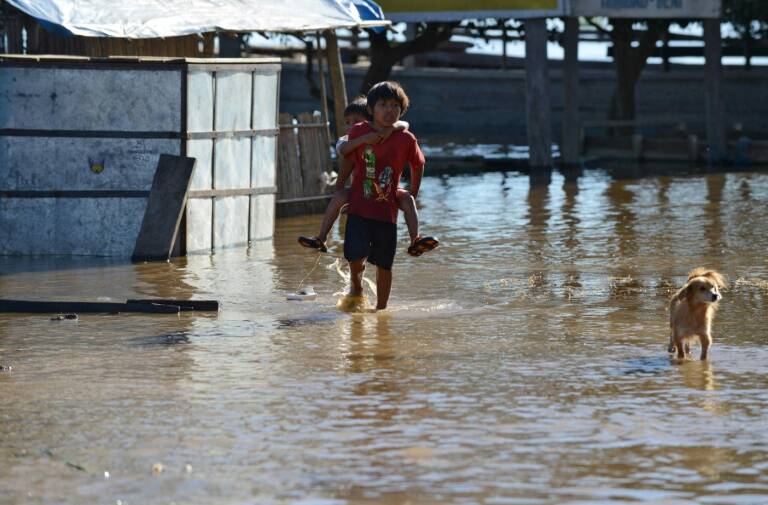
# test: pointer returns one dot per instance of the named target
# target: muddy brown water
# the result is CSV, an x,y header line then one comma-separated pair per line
x,y
523,362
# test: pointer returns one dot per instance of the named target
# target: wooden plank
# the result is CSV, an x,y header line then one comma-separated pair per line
x,y
46,307
164,208
184,305
288,169
310,156
569,145
713,70
209,193
337,80
538,113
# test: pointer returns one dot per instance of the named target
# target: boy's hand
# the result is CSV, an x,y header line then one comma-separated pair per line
x,y
371,138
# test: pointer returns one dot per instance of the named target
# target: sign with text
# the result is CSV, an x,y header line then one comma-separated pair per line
x,y
456,10
685,9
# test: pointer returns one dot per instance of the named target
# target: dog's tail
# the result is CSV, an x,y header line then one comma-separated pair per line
x,y
719,279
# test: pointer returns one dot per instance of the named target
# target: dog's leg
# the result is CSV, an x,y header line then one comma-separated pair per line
x,y
680,345
706,341
671,346
688,349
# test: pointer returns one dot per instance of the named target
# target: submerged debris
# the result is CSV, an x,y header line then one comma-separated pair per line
x,y
65,317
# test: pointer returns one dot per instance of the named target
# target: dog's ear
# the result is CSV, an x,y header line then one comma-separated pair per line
x,y
685,292
717,279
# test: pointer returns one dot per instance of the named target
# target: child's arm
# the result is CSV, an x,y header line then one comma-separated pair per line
x,y
416,173
344,170
416,160
350,145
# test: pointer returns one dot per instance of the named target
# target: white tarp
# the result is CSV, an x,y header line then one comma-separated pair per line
x,y
138,19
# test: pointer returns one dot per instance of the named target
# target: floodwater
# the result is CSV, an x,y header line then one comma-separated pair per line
x,y
522,362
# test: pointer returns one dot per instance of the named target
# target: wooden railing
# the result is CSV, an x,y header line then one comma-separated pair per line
x,y
304,161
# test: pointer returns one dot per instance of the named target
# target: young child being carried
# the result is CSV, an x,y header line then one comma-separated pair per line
x,y
358,112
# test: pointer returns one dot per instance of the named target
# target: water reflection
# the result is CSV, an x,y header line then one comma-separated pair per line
x,y
524,361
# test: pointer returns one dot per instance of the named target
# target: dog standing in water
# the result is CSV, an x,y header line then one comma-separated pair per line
x,y
692,310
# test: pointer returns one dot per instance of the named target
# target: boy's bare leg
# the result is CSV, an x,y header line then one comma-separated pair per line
x,y
407,204
332,213
383,287
356,270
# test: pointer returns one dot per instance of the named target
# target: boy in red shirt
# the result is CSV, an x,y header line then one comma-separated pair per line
x,y
371,226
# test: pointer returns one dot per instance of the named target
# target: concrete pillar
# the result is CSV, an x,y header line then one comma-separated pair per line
x,y
538,113
713,70
338,83
571,136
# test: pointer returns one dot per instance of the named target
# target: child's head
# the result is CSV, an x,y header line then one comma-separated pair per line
x,y
356,112
387,101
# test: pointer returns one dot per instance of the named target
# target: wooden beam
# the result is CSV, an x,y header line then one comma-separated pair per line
x,y
713,74
183,305
338,83
42,307
165,207
538,113
569,145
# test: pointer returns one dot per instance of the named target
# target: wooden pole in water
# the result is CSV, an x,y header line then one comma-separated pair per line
x,y
337,80
713,70
538,112
569,145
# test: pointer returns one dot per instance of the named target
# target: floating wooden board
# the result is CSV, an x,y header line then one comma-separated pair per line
x,y
43,307
165,207
202,305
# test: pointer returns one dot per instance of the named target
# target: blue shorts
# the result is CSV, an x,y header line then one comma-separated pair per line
x,y
368,238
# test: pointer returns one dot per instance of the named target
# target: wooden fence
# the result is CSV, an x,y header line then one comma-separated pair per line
x,y
303,165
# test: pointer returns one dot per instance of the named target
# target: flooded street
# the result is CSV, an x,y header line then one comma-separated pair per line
x,y
522,362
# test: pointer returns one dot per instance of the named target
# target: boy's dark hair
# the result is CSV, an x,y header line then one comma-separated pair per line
x,y
388,90
358,106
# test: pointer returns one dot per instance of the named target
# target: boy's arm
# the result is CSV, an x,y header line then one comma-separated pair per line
x,y
344,170
401,125
416,160
416,173
350,145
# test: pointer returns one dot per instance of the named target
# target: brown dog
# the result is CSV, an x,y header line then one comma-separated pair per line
x,y
692,310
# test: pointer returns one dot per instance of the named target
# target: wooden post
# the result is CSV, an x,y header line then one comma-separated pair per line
x,y
323,93
569,145
337,80
503,43
714,76
538,112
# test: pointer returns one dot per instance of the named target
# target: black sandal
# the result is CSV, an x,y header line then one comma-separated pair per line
x,y
422,245
313,243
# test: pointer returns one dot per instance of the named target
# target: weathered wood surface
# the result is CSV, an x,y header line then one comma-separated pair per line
x,y
184,305
569,146
313,152
164,208
48,307
338,83
538,108
713,72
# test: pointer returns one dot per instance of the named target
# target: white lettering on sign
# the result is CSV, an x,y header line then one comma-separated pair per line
x,y
670,9
641,4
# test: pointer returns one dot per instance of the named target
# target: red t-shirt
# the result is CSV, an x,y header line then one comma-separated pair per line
x,y
377,170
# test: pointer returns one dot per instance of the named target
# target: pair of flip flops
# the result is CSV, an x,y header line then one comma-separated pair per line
x,y
313,243
422,245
